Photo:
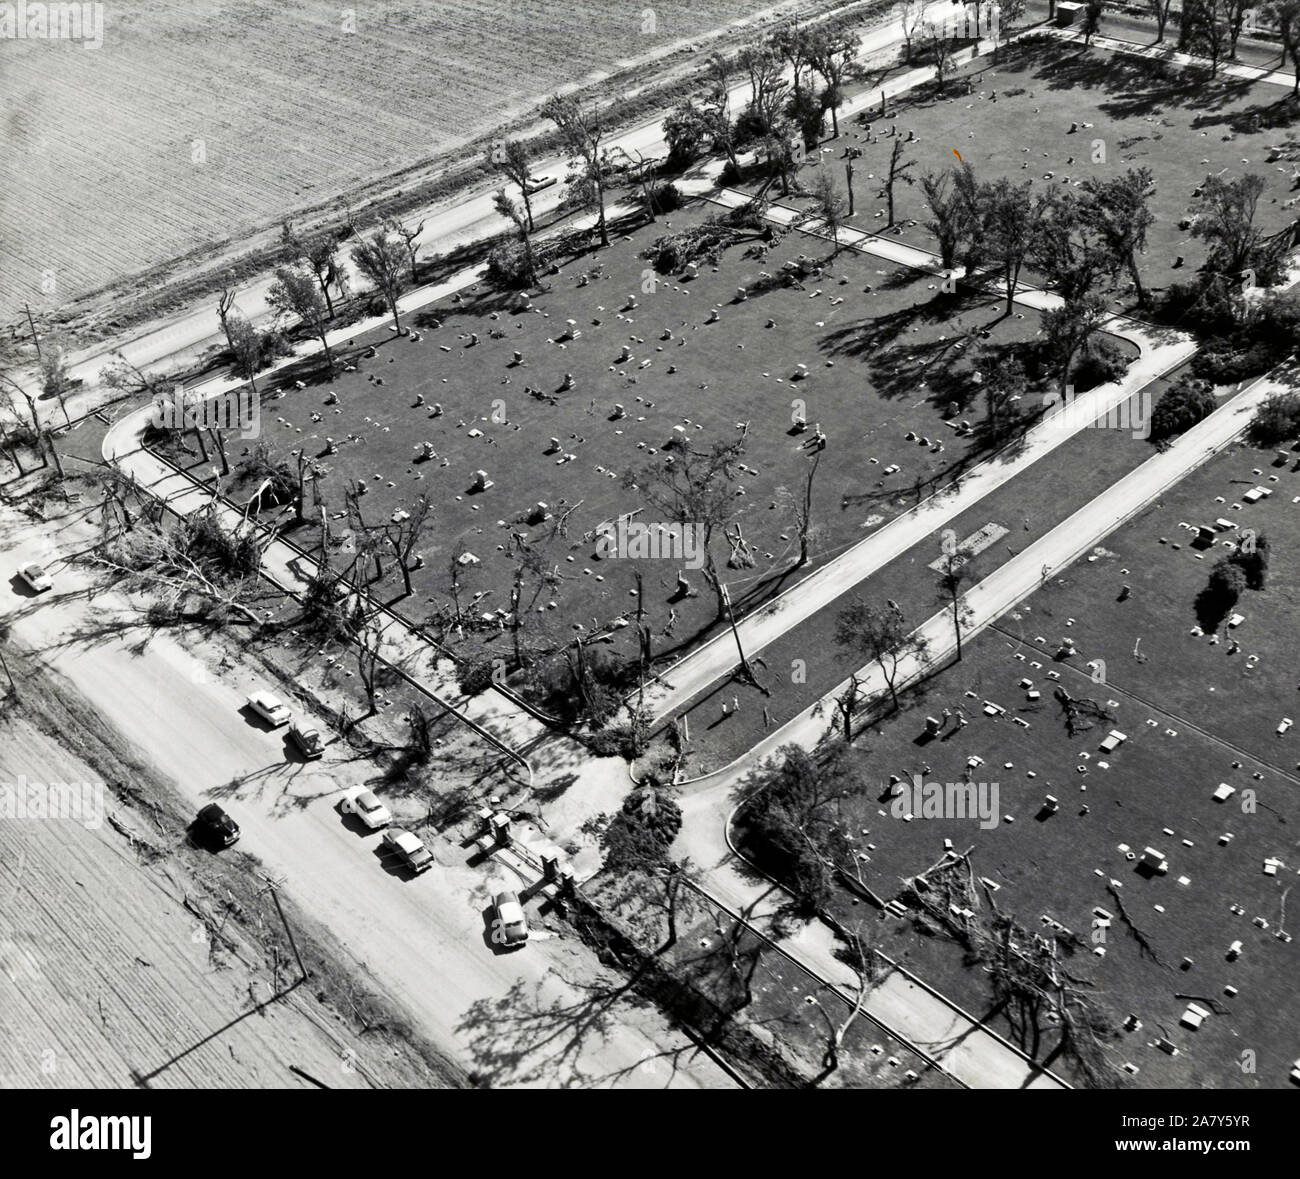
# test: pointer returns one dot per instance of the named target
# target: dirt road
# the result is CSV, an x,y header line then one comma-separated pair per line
x,y
548,1015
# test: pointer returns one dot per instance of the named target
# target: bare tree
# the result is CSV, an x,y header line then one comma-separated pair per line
x,y
828,206
939,39
954,577
512,159
382,258
583,130
696,487
56,380
226,308
882,636
319,253
510,211
296,293
402,535
408,235
911,14
897,171
862,961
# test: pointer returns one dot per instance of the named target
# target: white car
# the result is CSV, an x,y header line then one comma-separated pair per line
x,y
270,708
510,928
537,183
36,577
408,848
362,802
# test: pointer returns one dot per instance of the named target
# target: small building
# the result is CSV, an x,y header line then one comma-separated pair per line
x,y
1068,13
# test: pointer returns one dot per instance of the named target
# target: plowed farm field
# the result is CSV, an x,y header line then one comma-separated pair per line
x,y
197,120
103,981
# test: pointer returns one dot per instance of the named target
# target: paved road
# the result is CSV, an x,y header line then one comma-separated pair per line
x,y
423,940
446,226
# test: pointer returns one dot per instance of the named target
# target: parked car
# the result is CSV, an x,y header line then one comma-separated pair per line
x,y
537,183
362,802
408,848
270,708
511,926
215,826
308,739
36,578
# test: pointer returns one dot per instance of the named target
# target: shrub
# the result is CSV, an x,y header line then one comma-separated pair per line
x,y
730,176
1102,363
642,832
1220,595
1277,420
507,266
652,809
665,198
474,677
1180,407
1252,561
611,742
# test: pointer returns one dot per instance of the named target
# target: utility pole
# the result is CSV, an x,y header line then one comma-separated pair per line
x,y
273,887
35,338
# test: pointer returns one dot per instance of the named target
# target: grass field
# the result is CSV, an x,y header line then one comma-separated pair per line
x,y
198,120
1195,716
879,363
1181,126
765,992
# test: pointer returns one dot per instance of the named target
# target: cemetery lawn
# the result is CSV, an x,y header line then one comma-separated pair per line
x,y
1182,126
1029,506
1194,717
764,991
879,363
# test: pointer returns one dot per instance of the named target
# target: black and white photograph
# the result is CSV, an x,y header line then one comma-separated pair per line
x,y
650,544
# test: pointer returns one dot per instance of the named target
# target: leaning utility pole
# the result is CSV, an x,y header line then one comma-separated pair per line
x,y
273,887
35,338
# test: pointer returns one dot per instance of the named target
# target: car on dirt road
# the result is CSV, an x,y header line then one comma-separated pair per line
x,y
270,708
408,848
308,739
214,826
362,802
510,927
36,578
537,183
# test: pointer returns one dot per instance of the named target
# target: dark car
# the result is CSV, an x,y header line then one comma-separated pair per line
x,y
214,825
308,740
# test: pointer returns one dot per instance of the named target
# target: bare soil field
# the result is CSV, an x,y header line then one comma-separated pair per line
x,y
198,120
107,980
